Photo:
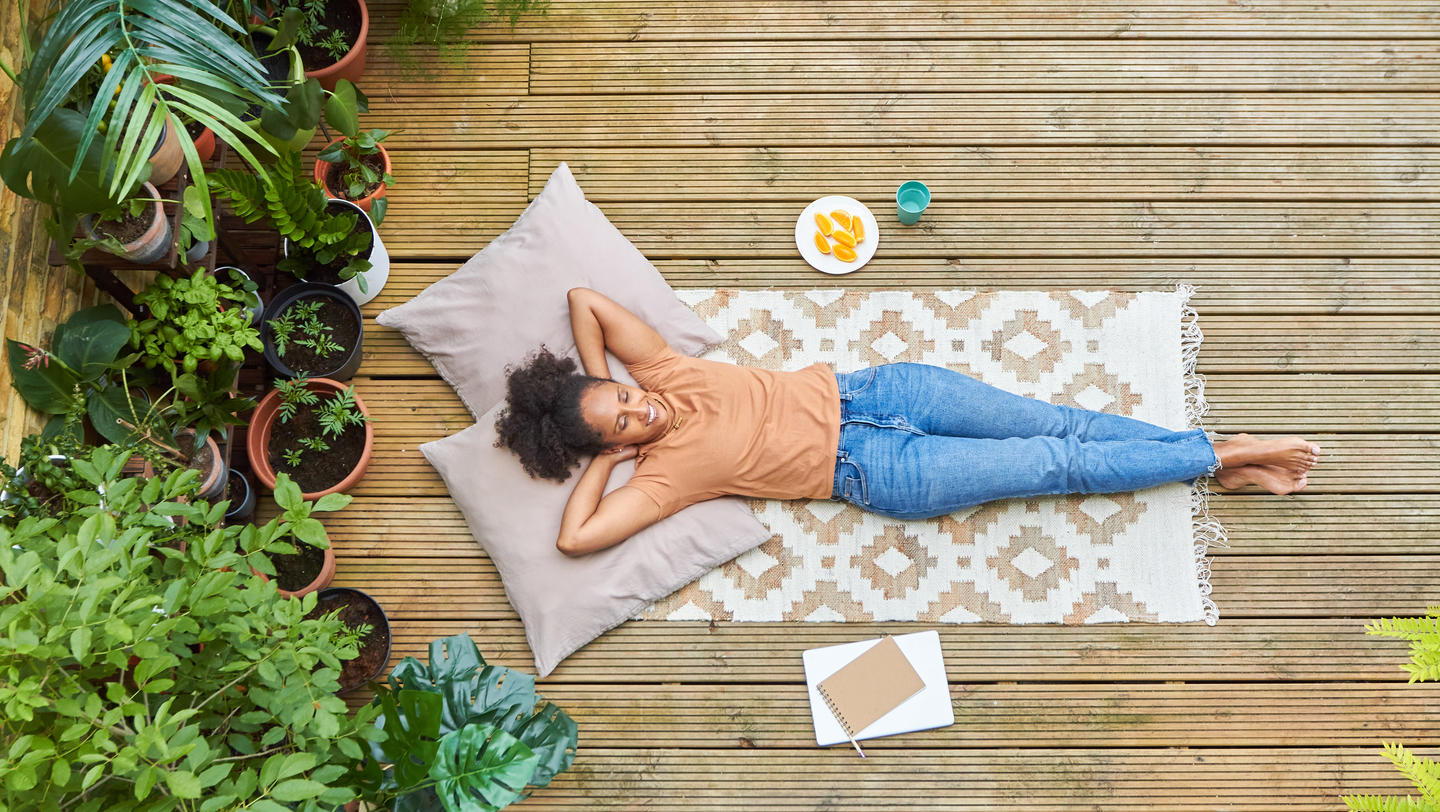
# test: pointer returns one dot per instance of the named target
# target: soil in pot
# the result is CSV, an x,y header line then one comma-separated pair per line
x,y
339,15
335,177
130,227
194,129
344,331
295,572
355,611
317,470
201,460
329,274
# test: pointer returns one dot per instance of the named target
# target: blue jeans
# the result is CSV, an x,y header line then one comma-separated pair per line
x,y
918,441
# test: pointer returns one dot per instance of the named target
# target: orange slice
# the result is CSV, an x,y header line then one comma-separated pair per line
x,y
857,227
841,217
823,223
822,243
844,253
843,237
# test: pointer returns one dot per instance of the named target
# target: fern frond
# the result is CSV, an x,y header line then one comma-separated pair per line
x,y
1407,628
1424,773
1379,803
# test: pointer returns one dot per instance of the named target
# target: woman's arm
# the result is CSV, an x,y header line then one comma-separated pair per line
x,y
599,323
593,523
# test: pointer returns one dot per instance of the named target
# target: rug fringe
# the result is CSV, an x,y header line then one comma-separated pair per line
x,y
1208,531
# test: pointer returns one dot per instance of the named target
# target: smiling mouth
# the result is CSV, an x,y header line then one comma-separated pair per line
x,y
653,414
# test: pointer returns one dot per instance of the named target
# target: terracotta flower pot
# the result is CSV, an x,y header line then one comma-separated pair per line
x,y
205,145
322,169
212,479
327,574
168,157
262,420
352,65
154,244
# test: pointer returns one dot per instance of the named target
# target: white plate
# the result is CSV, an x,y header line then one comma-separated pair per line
x,y
827,263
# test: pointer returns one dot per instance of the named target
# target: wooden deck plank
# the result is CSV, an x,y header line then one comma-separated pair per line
x,y
1233,344
1244,585
910,119
1304,524
1040,778
488,69
758,20
838,66
1253,286
972,173
988,716
757,230
1238,649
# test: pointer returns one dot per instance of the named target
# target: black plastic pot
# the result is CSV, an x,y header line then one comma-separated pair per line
x,y
242,506
310,290
356,597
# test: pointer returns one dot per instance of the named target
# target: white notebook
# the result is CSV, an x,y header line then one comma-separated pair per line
x,y
930,708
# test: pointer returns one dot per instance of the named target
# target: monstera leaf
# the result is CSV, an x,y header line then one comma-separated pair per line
x,y
458,708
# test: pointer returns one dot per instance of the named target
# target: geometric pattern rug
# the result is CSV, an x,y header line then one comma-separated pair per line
x,y
1080,559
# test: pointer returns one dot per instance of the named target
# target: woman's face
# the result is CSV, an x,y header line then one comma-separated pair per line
x,y
624,415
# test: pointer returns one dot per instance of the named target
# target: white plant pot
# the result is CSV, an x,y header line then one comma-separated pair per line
x,y
379,272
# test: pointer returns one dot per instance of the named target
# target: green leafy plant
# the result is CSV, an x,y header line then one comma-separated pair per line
x,y
94,109
462,735
81,376
294,456
1423,634
357,175
437,28
41,479
301,324
193,320
296,207
340,412
149,669
307,17
293,394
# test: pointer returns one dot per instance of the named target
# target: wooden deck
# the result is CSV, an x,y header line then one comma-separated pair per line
x,y
1284,157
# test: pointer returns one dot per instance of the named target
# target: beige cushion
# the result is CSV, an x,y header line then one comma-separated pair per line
x,y
567,602
510,298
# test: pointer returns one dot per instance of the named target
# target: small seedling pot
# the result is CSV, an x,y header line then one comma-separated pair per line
x,y
376,616
212,479
347,366
322,170
154,244
352,65
256,305
262,421
327,574
242,501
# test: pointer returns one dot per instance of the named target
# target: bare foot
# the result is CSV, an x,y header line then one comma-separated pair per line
x,y
1279,481
1291,453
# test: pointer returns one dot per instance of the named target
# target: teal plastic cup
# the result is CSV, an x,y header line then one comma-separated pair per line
x,y
910,201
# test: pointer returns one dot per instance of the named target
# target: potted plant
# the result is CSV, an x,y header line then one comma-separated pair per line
x,y
249,291
331,35
461,734
308,566
136,229
241,496
106,146
314,429
353,166
326,241
313,330
193,321
361,614
439,28
161,638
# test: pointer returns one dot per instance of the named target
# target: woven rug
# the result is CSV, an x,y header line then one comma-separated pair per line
x,y
1082,559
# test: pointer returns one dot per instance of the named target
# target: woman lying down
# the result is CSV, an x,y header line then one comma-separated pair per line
x,y
909,441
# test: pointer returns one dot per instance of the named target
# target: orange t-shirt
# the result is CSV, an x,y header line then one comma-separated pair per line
x,y
745,431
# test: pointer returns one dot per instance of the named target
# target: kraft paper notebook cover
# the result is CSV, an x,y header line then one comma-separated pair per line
x,y
899,688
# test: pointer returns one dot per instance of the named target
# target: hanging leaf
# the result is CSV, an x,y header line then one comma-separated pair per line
x,y
481,762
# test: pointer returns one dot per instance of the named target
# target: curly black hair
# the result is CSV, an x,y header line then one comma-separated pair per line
x,y
541,421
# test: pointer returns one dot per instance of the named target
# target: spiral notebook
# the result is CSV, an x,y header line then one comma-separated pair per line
x,y
875,688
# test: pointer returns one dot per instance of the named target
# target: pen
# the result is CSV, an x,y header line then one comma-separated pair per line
x,y
857,744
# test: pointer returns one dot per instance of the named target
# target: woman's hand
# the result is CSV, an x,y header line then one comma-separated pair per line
x,y
620,453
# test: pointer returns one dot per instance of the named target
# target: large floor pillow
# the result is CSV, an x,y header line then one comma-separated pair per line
x,y
567,602
509,299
